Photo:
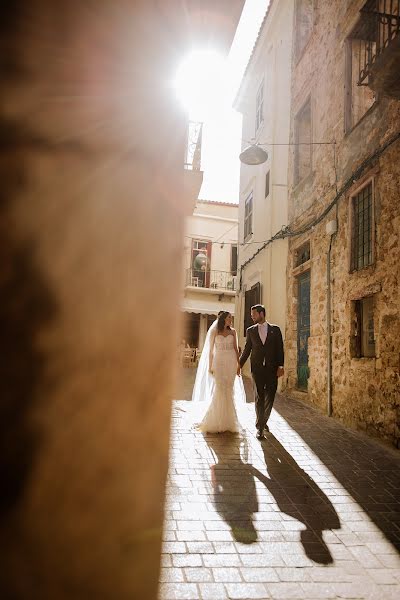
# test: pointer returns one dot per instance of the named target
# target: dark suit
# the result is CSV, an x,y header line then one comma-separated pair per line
x,y
265,360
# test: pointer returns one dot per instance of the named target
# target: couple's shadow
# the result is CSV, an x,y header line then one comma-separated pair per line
x,y
295,493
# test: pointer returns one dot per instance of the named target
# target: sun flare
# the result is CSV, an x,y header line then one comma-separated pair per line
x,y
199,83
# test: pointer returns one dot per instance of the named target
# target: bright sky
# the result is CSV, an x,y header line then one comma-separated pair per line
x,y
207,84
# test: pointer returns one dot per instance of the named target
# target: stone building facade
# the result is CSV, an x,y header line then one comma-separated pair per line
x,y
343,273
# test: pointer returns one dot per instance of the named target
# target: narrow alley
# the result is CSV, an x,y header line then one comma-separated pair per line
x,y
312,512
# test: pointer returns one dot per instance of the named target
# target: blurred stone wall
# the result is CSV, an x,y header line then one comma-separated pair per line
x,y
92,146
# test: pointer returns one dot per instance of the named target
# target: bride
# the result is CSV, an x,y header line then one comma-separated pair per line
x,y
218,383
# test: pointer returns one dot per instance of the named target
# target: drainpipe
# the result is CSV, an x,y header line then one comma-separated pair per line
x,y
331,229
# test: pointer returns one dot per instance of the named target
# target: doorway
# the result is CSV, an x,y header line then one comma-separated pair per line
x,y
303,329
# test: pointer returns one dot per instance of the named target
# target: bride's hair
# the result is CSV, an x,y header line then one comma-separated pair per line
x,y
221,320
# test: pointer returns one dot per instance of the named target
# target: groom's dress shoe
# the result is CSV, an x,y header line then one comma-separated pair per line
x,y
260,434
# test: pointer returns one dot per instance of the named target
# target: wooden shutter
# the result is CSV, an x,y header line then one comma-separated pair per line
x,y
251,297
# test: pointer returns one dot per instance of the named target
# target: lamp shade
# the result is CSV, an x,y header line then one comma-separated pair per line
x,y
253,155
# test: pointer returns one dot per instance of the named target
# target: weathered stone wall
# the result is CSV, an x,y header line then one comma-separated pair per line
x,y
366,391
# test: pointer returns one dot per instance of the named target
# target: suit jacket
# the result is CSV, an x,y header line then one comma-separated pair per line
x,y
271,353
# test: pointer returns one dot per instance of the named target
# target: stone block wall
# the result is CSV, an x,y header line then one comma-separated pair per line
x,y
365,391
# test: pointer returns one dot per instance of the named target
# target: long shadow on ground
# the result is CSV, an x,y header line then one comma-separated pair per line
x,y
368,471
235,495
297,495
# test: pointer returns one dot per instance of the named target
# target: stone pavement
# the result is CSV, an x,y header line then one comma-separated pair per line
x,y
312,512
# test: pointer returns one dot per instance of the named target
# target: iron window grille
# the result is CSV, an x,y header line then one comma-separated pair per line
x,y
377,28
194,146
362,222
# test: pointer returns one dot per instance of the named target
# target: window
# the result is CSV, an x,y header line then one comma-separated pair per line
x,y
267,185
303,147
251,297
200,263
362,229
248,217
260,105
302,254
234,259
304,24
363,332
358,97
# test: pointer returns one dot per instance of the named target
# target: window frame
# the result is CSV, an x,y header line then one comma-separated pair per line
x,y
304,248
251,297
259,106
370,181
234,259
267,183
297,179
248,227
298,52
349,121
359,331
208,251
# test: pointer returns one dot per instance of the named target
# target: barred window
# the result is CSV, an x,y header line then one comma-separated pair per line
x,y
248,217
361,242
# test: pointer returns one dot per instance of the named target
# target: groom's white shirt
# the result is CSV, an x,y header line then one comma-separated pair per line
x,y
263,331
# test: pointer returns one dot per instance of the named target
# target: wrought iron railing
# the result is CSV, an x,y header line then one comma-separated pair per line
x,y
378,27
193,147
218,280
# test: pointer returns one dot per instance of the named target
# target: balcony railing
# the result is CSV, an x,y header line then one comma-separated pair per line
x,y
193,148
377,29
217,280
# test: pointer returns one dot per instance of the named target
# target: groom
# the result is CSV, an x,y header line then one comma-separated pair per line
x,y
265,345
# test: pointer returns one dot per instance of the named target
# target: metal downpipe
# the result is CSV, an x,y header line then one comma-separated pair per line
x,y
328,330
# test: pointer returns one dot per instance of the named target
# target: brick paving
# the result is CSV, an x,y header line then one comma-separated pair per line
x,y
312,512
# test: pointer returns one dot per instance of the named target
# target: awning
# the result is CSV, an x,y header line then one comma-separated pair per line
x,y
205,307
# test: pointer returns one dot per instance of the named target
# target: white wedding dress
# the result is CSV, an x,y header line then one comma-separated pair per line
x,y
223,391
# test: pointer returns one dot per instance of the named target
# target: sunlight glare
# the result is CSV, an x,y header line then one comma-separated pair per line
x,y
199,83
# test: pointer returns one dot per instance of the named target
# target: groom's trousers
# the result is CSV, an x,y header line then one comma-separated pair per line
x,y
265,384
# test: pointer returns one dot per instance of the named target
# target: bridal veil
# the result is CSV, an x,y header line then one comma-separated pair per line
x,y
204,385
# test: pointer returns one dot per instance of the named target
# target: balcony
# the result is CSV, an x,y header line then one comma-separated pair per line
x,y
193,175
211,281
378,32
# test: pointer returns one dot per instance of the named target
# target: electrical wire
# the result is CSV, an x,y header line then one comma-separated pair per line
x,y
287,232
289,143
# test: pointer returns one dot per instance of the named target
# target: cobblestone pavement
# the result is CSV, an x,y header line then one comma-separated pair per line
x,y
312,512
